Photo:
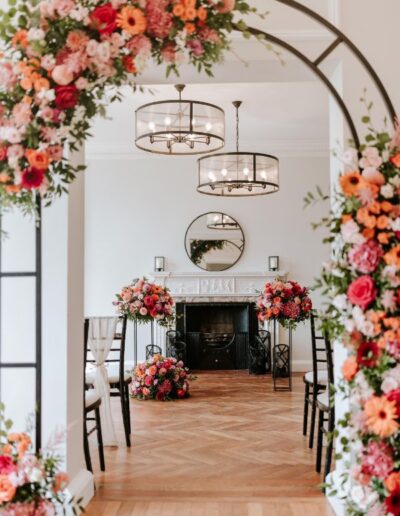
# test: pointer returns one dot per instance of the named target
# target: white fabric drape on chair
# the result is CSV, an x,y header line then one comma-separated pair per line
x,y
100,339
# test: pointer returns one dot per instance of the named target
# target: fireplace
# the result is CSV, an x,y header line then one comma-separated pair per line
x,y
216,334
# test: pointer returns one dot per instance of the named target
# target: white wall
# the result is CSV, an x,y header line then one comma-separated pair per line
x,y
141,207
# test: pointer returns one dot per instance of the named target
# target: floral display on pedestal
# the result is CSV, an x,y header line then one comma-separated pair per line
x,y
363,281
161,379
60,55
31,484
284,301
144,302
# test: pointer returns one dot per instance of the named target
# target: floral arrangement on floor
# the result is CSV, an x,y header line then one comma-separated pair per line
x,y
363,283
30,484
143,301
161,379
284,301
60,55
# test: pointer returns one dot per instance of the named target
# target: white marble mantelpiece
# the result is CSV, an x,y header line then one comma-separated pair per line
x,y
215,286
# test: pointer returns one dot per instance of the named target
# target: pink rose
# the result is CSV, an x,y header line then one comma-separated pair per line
x,y
143,311
62,75
362,291
226,6
366,257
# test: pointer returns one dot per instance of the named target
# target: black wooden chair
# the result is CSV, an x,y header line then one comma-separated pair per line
x,y
118,379
265,337
92,402
315,381
326,416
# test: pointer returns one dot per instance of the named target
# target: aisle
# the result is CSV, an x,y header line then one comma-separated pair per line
x,y
234,448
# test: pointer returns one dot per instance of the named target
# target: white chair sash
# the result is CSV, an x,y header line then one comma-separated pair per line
x,y
100,339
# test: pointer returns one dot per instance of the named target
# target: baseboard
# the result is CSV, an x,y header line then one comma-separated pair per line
x,y
81,487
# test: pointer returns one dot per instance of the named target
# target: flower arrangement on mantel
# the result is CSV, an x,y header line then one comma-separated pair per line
x,y
161,379
284,301
31,484
143,301
58,58
363,284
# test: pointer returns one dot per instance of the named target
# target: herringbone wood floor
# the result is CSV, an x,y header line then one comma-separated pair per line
x,y
233,449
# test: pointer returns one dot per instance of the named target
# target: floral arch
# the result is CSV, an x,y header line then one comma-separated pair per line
x,y
58,58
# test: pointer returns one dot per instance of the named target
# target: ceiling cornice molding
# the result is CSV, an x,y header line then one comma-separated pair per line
x,y
281,148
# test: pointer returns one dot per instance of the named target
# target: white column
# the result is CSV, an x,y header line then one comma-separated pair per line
x,y
63,317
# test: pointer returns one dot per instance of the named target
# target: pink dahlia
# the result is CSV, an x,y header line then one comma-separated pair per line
x,y
159,20
291,310
377,460
366,257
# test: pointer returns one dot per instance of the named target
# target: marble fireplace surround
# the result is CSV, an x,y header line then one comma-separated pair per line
x,y
209,287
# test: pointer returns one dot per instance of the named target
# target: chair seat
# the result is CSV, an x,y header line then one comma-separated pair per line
x,y
322,377
113,376
323,401
92,398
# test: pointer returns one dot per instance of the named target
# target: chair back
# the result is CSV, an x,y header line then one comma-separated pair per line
x,y
318,348
329,360
117,351
151,350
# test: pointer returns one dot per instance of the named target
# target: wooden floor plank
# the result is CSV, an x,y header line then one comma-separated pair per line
x,y
233,449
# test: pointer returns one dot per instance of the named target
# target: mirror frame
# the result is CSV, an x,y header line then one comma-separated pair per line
x,y
203,215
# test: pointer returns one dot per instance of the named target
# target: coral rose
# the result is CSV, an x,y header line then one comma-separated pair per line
x,y
393,256
37,159
104,19
350,368
62,75
226,6
362,291
7,489
66,96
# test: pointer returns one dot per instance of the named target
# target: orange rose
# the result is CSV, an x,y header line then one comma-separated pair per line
x,y
190,28
368,233
393,481
382,222
7,489
190,13
387,207
178,10
37,159
383,238
393,256
346,218
26,83
374,208
396,160
350,368
20,39
202,13
41,84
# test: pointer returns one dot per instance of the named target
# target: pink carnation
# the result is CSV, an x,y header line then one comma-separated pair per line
x,y
377,460
159,20
366,257
139,45
291,310
196,47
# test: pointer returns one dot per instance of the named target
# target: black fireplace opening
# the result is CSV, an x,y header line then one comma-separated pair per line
x,y
217,334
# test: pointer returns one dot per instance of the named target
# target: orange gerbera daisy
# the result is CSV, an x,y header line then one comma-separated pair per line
x,y
393,256
381,416
351,183
393,481
132,20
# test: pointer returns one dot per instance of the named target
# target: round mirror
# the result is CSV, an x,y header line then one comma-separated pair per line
x,y
214,241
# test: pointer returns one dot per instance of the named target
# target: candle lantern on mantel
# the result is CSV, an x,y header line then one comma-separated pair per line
x,y
159,264
273,263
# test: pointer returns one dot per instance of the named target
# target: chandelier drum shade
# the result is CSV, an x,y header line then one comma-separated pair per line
x,y
238,174
180,127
